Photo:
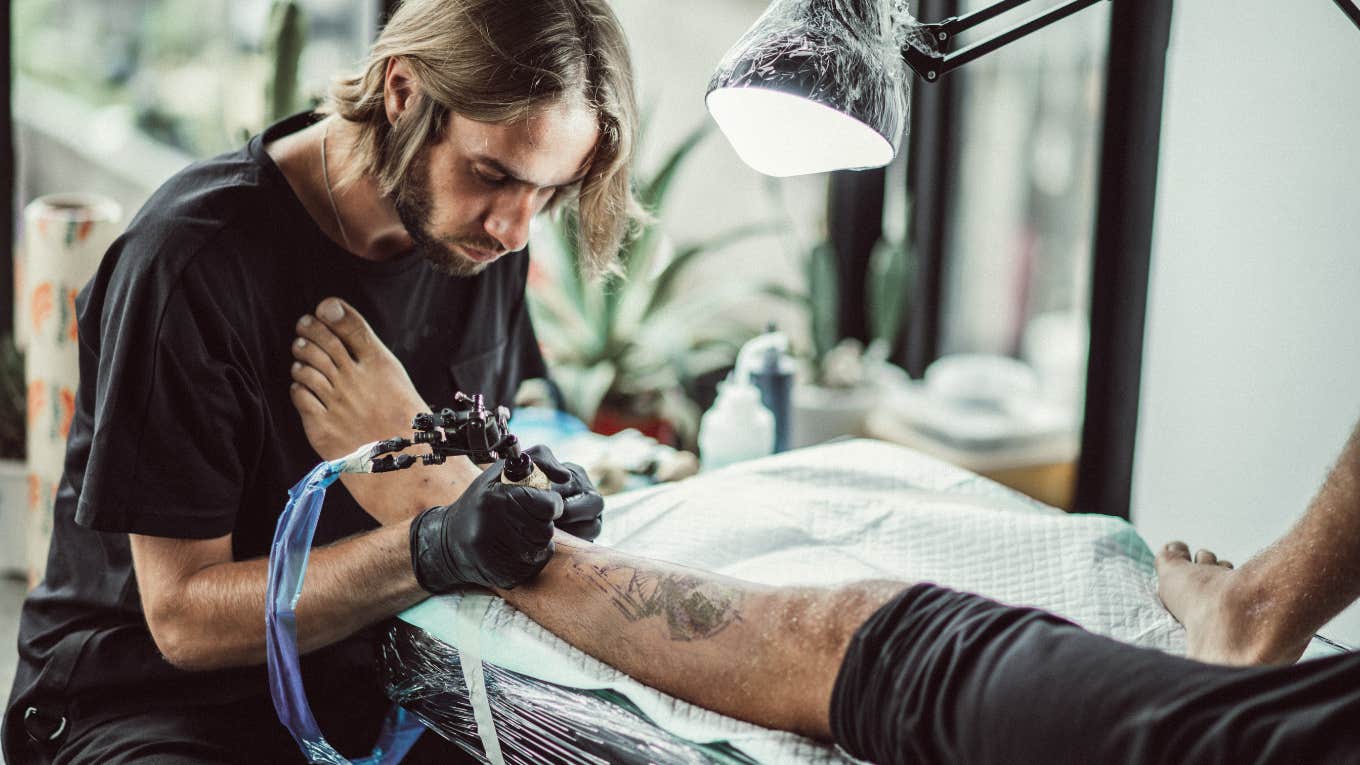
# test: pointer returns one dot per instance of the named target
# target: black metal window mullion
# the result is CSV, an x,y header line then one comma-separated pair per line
x,y
854,225
932,166
1135,78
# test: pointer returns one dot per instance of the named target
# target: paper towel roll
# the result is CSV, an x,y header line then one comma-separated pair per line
x,y
65,235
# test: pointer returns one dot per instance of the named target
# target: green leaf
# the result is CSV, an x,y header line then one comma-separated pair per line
x,y
284,41
564,332
891,279
653,193
824,296
683,257
780,292
584,387
675,324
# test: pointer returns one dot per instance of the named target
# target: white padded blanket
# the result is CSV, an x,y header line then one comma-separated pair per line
x,y
851,510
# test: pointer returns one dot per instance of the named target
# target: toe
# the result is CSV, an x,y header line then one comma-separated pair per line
x,y
313,356
346,323
1205,557
313,332
312,380
1174,551
1226,564
306,402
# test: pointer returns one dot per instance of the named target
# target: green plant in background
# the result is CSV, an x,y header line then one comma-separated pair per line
x,y
13,401
630,343
283,46
835,361
891,282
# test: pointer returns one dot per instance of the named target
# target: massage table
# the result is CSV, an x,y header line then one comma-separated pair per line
x,y
481,674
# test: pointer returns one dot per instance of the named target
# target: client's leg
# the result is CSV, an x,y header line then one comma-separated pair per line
x,y
1266,610
926,674
768,655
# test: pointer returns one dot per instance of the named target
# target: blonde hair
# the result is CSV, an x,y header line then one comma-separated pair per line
x,y
497,61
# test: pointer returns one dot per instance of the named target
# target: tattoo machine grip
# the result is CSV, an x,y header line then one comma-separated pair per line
x,y
520,469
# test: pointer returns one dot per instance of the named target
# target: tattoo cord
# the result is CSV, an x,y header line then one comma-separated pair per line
x,y
475,432
287,568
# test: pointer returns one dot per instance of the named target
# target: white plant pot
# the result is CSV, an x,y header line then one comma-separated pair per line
x,y
821,414
13,517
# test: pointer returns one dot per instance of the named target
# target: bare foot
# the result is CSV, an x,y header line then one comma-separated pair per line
x,y
1229,618
350,390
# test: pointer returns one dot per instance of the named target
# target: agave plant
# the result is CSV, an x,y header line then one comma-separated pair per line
x,y
631,342
888,283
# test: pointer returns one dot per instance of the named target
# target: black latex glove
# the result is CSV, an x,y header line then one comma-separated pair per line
x,y
581,500
495,535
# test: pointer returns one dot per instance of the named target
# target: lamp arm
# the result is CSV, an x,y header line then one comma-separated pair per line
x,y
955,24
932,66
1351,10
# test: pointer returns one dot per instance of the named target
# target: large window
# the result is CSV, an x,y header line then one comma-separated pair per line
x,y
187,74
1019,245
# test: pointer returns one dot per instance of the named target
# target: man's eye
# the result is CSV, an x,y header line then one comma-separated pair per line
x,y
489,179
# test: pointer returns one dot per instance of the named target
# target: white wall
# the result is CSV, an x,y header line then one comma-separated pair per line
x,y
1251,368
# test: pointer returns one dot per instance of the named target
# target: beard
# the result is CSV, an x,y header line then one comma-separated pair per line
x,y
415,209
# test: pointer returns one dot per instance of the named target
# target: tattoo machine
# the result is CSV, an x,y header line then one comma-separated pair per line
x,y
467,429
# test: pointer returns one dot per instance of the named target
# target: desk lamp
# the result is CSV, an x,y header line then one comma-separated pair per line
x,y
820,85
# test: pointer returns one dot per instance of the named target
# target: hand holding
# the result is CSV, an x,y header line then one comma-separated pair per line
x,y
582,502
494,535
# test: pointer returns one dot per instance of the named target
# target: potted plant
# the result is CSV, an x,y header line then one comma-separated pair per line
x,y
842,377
13,471
621,351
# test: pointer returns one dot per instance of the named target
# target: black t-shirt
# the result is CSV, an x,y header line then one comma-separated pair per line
x,y
184,428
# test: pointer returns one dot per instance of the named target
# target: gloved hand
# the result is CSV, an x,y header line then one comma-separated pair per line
x,y
495,535
582,501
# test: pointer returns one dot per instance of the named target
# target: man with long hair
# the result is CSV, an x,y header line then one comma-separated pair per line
x,y
408,197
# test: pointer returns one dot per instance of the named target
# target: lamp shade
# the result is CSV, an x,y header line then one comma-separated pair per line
x,y
815,85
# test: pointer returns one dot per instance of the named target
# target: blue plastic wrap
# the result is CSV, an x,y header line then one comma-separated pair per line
x,y
287,569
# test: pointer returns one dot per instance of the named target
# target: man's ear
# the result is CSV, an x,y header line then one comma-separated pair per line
x,y
399,88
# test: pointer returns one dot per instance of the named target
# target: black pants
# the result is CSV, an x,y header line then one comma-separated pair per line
x,y
938,676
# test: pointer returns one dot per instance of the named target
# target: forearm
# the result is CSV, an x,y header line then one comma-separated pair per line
x,y
219,618
1311,589
768,655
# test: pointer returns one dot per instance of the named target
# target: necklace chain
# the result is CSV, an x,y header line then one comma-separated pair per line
x,y
326,176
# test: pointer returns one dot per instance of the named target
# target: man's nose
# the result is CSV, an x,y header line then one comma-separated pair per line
x,y
509,219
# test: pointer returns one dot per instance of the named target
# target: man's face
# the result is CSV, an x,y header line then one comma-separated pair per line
x,y
470,196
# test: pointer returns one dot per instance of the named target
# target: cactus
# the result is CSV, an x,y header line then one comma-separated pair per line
x,y
283,46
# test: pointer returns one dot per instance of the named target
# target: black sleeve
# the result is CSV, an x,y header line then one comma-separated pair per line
x,y
178,420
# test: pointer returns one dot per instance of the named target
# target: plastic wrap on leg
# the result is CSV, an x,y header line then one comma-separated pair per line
x,y
535,722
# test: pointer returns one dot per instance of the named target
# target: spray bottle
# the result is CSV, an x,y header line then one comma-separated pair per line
x,y
771,369
738,426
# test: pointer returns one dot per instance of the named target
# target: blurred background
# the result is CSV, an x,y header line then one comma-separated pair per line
x,y
1114,267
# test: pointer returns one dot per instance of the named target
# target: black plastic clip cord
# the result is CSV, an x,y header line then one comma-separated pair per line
x,y
391,462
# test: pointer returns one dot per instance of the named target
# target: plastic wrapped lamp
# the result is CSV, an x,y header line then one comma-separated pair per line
x,y
814,85
819,85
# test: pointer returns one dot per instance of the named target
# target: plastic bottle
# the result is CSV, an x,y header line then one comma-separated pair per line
x,y
737,427
767,362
